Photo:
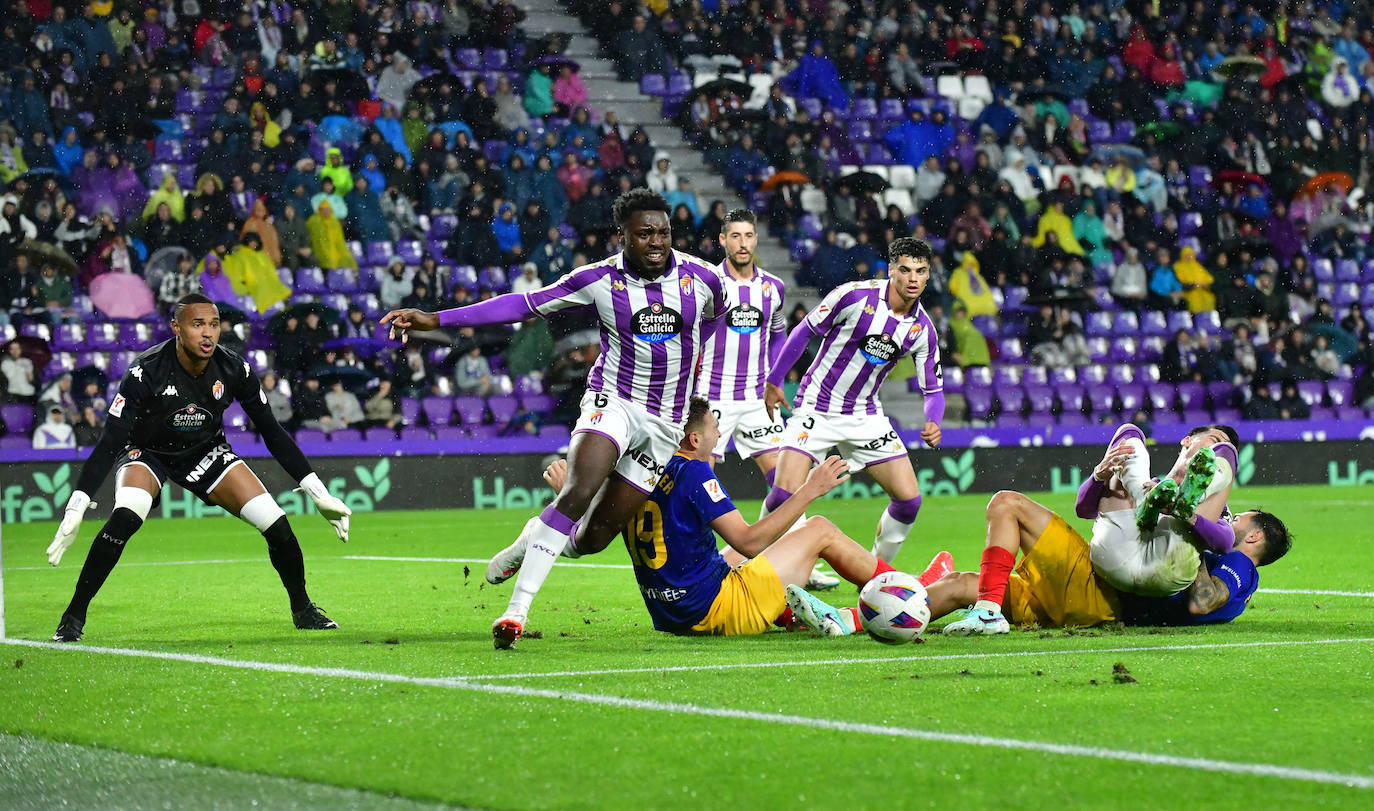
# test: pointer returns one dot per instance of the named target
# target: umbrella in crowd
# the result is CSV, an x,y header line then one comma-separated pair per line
x,y
862,181
1110,152
89,374
1240,67
781,178
1328,221
363,347
121,295
556,61
36,175
277,324
35,349
162,262
352,376
1325,180
46,253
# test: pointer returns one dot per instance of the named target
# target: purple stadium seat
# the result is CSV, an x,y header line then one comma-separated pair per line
x,y
240,438
811,106
468,58
19,419
379,253
1011,421
1341,392
1132,398
1209,321
438,410
342,280
495,151
978,377
1123,350
1099,131
654,84
1229,416
1151,348
1011,351
1161,396
680,84
1071,397
1124,131
979,403
1192,396
493,277
1348,412
411,433
471,410
861,130
879,154
166,150
410,410
495,59
411,251
503,407
463,275
539,403
1100,349
1099,323
891,109
1101,398
103,337
1039,399
1154,322
1035,376
310,280
1312,392
345,435
69,337
235,418
555,432
1199,177
1223,393
1039,420
14,442
1006,376
1347,293
1073,419
1347,270
1178,320
310,436
863,108
445,432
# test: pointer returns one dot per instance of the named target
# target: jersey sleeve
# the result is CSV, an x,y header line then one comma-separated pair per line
x,y
926,354
823,316
705,493
576,289
718,300
1238,573
778,324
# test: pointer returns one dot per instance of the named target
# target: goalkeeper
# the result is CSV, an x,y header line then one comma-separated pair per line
x,y
166,425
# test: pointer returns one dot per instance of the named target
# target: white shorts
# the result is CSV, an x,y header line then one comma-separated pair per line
x,y
1155,564
747,421
645,442
862,439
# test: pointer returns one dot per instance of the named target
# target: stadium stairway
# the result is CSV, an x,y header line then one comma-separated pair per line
x,y
606,92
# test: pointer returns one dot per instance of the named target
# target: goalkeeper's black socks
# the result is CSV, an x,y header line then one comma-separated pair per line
x,y
101,560
285,553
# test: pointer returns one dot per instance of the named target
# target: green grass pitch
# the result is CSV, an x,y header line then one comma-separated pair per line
x,y
408,705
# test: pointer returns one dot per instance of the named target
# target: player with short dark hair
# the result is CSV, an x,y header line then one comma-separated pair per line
x,y
865,329
653,304
166,425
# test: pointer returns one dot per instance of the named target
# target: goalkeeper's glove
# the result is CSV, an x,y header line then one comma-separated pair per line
x,y
70,526
333,510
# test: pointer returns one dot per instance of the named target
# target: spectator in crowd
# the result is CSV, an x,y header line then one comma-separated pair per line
x,y
327,242
380,409
88,428
277,400
344,409
18,372
310,407
472,373
54,432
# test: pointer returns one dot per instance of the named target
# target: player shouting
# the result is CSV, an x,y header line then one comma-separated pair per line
x,y
166,424
652,302
865,329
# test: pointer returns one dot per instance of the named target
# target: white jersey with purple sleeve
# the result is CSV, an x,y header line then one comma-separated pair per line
x,y
861,340
738,345
651,330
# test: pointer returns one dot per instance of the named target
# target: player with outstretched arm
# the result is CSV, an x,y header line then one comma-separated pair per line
x,y
865,329
652,303
166,425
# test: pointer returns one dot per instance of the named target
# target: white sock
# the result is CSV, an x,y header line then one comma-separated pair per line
x,y
891,534
1136,474
544,545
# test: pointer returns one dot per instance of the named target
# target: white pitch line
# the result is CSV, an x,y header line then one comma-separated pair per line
x,y
1323,592
483,561
1072,750
859,660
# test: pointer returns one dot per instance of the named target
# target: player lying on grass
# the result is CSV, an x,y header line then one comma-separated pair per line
x,y
166,425
689,587
1146,536
865,328
653,304
1055,585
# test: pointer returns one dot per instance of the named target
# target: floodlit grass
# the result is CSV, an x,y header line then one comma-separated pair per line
x,y
428,711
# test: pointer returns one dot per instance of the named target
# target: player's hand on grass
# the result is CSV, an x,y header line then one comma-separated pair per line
x,y
1114,462
70,526
827,475
404,320
555,474
931,434
333,509
773,398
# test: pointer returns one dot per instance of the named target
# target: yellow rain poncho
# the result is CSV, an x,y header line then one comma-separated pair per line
x,y
271,133
327,239
967,285
336,170
1196,281
252,273
170,193
1057,221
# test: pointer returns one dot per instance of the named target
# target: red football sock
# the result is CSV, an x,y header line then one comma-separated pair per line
x,y
994,573
785,619
883,567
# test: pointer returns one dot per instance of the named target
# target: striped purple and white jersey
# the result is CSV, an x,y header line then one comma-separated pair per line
x,y
651,331
734,361
861,340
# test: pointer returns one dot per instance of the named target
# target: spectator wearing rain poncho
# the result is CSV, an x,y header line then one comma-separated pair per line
x,y
1340,88
396,81
271,132
539,92
1092,234
967,285
259,222
816,77
393,133
1196,281
336,170
253,273
327,239
213,280
168,192
1054,219
365,212
12,162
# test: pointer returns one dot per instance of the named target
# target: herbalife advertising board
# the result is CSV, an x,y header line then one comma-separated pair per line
x,y
37,491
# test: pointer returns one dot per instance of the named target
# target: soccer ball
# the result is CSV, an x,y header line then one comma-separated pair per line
x,y
894,608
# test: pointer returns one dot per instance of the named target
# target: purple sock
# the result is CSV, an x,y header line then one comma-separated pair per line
x,y
556,521
571,551
776,497
904,512
769,476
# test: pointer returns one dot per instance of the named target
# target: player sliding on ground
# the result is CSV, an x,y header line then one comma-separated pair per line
x,y
652,302
690,587
738,350
865,329
166,424
1055,585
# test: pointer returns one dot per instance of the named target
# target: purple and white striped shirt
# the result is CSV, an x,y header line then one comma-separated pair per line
x,y
651,331
738,347
862,339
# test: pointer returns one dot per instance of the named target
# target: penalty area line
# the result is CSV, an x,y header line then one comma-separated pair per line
x,y
675,708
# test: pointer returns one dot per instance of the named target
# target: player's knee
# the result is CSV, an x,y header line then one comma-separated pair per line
x,y
262,511
1004,502
821,525
134,499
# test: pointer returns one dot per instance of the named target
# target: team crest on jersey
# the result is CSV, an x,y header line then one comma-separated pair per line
x,y
217,389
686,284
766,287
134,454
803,436
596,417
744,319
878,349
656,323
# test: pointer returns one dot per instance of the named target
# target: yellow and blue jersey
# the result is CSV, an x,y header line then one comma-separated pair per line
x,y
673,548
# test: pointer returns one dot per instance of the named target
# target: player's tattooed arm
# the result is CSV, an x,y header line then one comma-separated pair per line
x,y
1207,593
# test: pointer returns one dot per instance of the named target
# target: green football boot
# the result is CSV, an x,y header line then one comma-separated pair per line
x,y
1147,513
1201,468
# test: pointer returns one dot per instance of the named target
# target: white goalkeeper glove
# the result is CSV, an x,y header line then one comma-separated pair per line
x,y
333,510
70,526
